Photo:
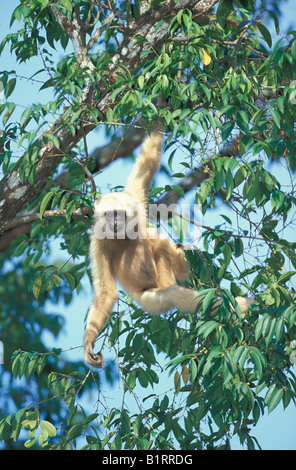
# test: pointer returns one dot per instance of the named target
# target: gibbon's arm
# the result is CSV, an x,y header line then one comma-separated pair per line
x,y
146,166
105,295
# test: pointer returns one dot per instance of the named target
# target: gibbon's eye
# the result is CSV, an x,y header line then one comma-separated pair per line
x,y
121,216
109,215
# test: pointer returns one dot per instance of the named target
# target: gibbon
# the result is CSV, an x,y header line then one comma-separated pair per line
x,y
144,262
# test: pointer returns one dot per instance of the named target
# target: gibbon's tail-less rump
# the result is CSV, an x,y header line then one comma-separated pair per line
x,y
144,262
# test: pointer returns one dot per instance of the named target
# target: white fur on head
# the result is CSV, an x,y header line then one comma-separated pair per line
x,y
135,216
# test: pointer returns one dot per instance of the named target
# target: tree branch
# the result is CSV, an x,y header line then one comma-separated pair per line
x,y
28,219
77,34
120,147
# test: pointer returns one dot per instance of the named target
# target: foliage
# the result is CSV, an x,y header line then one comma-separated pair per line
x,y
188,382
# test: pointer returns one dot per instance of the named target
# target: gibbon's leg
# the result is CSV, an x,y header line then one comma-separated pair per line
x,y
105,295
173,251
161,300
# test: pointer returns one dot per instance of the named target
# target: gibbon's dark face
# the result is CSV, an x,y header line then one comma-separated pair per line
x,y
116,220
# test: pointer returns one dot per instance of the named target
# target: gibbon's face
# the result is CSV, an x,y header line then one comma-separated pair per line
x,y
116,220
119,216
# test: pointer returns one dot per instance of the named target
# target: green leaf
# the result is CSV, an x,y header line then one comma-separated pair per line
x,y
265,33
16,429
229,185
178,189
258,329
274,398
16,365
32,366
19,414
45,201
276,117
271,329
49,428
75,431
238,247
53,138
57,351
70,279
20,248
279,329
42,360
75,116
227,368
56,280
233,302
37,287
223,10
10,86
24,360
238,353
30,442
207,299
10,108
143,378
26,116
286,277
71,207
258,358
293,49
206,328
277,199
193,369
219,179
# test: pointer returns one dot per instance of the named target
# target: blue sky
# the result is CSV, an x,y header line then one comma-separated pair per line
x,y
274,431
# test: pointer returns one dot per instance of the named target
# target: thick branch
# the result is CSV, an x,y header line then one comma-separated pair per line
x,y
28,219
15,194
76,32
119,147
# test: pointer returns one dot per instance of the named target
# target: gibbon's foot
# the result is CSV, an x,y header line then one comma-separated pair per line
x,y
180,245
244,303
94,359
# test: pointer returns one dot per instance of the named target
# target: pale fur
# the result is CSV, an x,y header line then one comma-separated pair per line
x,y
147,267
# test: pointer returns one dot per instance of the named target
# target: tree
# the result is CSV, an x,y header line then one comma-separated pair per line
x,y
230,122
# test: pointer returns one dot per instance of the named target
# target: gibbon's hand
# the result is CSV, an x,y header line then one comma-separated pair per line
x,y
180,245
93,359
